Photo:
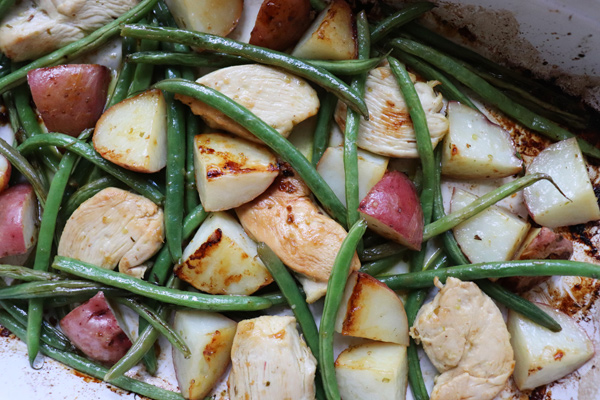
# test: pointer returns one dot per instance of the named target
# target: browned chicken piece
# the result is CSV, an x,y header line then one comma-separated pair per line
x,y
269,360
466,339
114,227
542,243
291,224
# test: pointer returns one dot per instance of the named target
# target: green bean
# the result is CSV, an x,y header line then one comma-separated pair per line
x,y
142,76
27,274
333,298
451,220
177,297
318,5
323,127
157,322
13,117
22,165
383,250
492,95
88,367
5,6
381,265
422,135
399,18
44,289
125,75
192,125
447,87
79,47
500,269
140,185
294,65
267,134
86,192
277,298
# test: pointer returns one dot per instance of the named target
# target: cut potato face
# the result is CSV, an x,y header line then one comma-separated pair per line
x,y
133,133
371,310
5,171
332,36
217,17
543,356
389,130
280,99
209,337
222,259
231,171
371,168
375,371
475,148
564,162
495,234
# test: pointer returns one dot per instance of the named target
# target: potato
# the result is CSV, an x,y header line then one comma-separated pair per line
x,y
372,371
332,35
93,329
222,259
247,20
217,17
371,310
543,356
133,133
18,219
495,234
564,162
70,97
231,171
475,148
393,210
5,170
279,24
371,169
209,337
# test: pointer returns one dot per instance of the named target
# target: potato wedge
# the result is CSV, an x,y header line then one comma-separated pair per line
x,y
374,371
133,133
273,16
495,234
217,17
475,148
564,162
231,171
222,259
371,310
543,356
70,97
332,35
280,99
18,220
209,337
371,168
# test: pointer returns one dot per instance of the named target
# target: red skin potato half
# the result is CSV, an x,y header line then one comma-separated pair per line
x,y
18,211
392,209
70,97
93,329
5,170
280,24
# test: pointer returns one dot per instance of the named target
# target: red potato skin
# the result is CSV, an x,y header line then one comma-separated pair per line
x,y
93,329
14,203
280,24
70,98
393,210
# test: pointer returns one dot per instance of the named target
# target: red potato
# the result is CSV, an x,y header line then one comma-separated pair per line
x,y
5,170
93,329
393,210
18,216
280,24
70,97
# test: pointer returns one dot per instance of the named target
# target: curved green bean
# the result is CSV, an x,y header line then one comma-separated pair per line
x,y
399,18
22,165
323,127
267,134
44,289
335,291
125,75
142,77
383,250
177,297
144,187
27,274
379,266
86,192
6,5
296,66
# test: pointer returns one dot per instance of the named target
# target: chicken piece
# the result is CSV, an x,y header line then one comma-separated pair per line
x,y
542,243
34,28
114,227
466,339
389,130
279,98
270,361
291,224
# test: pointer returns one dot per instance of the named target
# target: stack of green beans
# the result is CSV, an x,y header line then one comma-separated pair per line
x,y
65,171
